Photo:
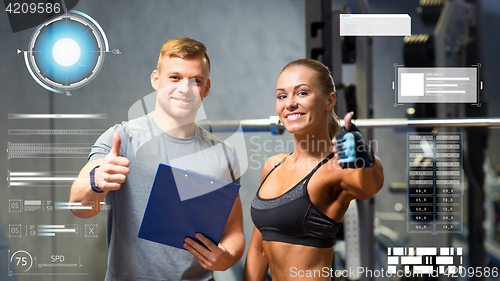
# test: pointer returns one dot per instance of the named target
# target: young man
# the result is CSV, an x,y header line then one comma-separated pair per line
x,y
124,160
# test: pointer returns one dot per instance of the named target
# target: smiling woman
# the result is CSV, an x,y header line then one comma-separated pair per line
x,y
317,79
302,200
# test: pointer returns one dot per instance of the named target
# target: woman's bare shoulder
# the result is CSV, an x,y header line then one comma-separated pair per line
x,y
273,161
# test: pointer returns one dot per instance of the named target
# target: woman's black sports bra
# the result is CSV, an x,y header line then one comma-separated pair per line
x,y
292,217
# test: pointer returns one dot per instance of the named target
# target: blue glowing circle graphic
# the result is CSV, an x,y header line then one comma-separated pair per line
x,y
66,52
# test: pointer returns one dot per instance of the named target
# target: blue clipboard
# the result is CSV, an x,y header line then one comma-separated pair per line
x,y
183,203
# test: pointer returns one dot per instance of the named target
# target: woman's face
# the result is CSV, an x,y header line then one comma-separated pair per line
x,y
301,106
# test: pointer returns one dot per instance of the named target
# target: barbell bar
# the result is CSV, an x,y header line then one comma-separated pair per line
x,y
274,125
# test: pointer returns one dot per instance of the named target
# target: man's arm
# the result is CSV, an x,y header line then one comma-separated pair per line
x,y
230,248
111,173
82,192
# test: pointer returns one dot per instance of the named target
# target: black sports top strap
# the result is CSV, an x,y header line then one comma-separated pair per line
x,y
276,166
327,158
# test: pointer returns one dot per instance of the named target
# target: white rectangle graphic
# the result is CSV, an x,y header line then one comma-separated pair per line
x,y
448,78
444,251
392,269
444,260
32,202
426,251
423,269
411,260
412,84
398,251
375,25
426,260
392,260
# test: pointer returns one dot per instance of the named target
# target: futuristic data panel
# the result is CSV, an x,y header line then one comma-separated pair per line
x,y
437,85
435,177
66,52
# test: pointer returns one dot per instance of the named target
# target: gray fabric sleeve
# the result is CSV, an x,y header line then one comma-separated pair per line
x,y
103,144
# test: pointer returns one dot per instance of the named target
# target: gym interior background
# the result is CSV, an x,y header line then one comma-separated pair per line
x,y
248,42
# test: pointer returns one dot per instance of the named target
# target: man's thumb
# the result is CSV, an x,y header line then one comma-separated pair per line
x,y
115,149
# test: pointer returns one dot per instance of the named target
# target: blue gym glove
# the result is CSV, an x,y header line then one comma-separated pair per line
x,y
352,149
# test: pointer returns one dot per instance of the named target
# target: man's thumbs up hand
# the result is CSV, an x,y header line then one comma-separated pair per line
x,y
114,170
115,149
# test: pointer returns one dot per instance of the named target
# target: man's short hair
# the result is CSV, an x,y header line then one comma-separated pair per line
x,y
185,48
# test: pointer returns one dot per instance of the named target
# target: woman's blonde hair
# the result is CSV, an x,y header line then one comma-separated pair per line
x,y
327,86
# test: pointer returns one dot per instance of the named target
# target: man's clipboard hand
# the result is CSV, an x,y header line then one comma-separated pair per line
x,y
114,170
209,255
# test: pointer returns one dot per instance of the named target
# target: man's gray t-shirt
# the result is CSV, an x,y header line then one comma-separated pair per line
x,y
146,146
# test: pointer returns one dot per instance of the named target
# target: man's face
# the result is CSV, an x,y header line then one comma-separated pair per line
x,y
181,86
